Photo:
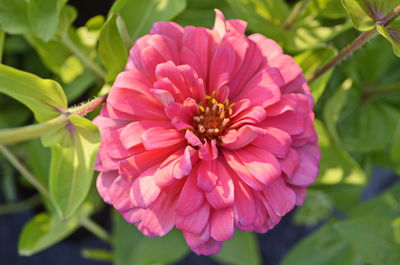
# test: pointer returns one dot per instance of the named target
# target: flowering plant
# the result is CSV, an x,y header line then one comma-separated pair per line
x,y
199,130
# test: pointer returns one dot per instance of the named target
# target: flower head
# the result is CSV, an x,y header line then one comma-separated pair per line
x,y
207,130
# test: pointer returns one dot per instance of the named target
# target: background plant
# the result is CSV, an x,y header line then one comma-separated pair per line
x,y
48,137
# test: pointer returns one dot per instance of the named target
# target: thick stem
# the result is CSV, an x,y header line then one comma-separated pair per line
x,y
91,66
24,171
296,12
96,230
356,44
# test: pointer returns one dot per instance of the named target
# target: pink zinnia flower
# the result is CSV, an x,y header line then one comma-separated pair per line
x,y
207,130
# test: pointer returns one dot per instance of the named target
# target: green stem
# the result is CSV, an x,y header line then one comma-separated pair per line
x,y
90,65
17,207
356,44
24,171
96,230
14,135
296,12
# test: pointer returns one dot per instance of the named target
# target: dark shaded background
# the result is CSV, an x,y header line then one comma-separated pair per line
x,y
274,245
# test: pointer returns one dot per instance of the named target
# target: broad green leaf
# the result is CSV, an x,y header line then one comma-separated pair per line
x,y
44,97
242,249
14,17
80,85
395,149
112,50
72,162
366,13
44,16
317,206
392,33
141,14
372,238
310,61
323,247
133,248
45,230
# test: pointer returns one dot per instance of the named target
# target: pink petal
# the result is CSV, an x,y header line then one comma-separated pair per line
x,y
223,193
269,48
104,182
169,29
131,134
163,96
209,248
219,23
133,216
195,222
191,197
289,69
291,122
290,162
221,224
244,207
159,219
144,190
119,194
260,163
207,177
307,171
241,170
281,198
275,141
196,240
245,135
158,137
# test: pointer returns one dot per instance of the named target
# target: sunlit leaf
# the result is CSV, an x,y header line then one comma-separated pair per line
x,y
44,97
14,16
112,50
72,162
392,33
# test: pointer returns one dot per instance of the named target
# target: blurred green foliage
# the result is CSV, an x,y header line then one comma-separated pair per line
x,y
357,120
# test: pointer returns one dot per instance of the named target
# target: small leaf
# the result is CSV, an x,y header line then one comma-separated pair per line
x,y
365,14
112,51
45,230
242,249
141,14
312,60
44,97
72,163
44,17
392,33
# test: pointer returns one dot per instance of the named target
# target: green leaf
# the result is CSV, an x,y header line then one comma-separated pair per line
x,y
72,163
392,34
323,247
372,238
45,230
44,97
310,61
112,51
141,14
13,16
332,9
242,249
44,16
317,206
132,248
366,13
